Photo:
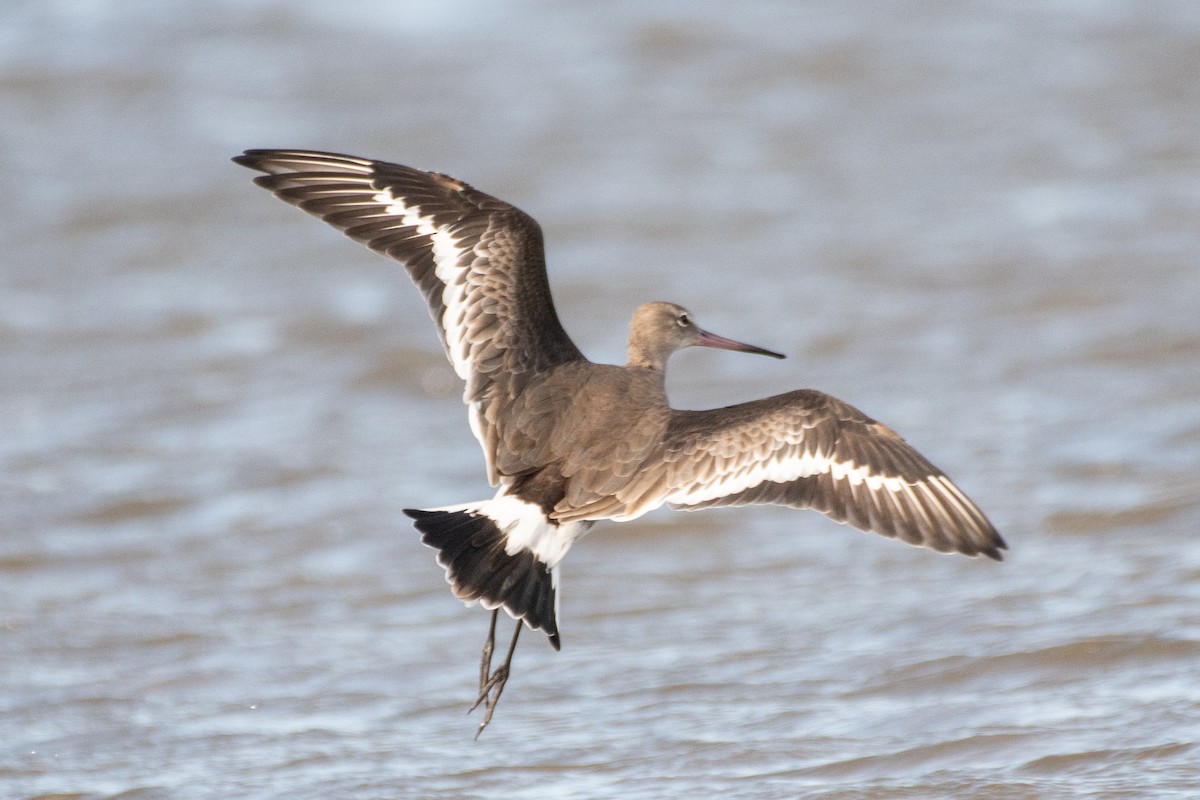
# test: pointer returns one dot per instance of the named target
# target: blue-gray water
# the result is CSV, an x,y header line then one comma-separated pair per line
x,y
977,222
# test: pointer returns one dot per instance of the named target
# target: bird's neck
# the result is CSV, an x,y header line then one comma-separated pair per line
x,y
643,357
647,372
641,386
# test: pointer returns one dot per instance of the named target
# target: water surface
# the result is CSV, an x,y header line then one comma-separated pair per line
x,y
977,224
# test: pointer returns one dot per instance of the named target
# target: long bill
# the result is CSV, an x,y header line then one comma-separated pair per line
x,y
721,343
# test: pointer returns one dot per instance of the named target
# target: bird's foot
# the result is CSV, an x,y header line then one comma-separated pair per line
x,y
491,683
489,696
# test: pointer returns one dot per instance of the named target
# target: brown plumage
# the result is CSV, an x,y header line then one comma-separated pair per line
x,y
569,442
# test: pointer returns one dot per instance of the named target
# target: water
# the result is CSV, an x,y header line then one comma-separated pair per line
x,y
978,224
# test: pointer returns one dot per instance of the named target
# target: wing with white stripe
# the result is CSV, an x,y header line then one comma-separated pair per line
x,y
478,261
806,449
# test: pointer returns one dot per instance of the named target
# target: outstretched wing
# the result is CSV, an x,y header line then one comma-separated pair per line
x,y
806,449
478,261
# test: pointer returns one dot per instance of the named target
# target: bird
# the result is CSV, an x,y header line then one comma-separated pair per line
x,y
568,442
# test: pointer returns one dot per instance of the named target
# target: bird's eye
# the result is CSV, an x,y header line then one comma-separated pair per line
x,y
684,320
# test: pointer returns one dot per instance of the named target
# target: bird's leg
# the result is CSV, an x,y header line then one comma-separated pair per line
x,y
489,692
485,664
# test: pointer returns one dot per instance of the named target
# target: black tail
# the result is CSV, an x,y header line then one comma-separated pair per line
x,y
471,547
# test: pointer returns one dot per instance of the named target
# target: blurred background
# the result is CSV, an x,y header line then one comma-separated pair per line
x,y
976,222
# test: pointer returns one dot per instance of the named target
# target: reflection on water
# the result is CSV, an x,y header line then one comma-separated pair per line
x,y
976,224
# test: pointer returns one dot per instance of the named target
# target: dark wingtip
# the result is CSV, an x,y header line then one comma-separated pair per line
x,y
993,552
252,159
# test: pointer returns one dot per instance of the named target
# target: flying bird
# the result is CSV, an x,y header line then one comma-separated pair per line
x,y
568,442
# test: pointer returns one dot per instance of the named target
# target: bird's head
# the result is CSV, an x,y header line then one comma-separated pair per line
x,y
659,329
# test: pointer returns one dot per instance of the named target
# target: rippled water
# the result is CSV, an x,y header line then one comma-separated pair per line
x,y
979,224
